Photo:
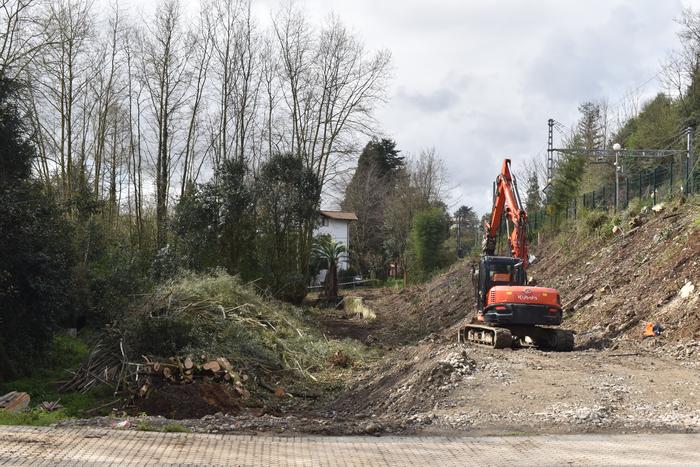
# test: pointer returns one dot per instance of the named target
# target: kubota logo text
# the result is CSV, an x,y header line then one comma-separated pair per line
x,y
526,297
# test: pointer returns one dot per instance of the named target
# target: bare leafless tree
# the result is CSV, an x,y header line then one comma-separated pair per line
x,y
429,176
21,36
201,39
247,84
117,104
134,95
106,97
59,78
271,138
166,77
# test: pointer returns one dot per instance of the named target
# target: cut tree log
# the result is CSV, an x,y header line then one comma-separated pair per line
x,y
224,363
14,401
212,366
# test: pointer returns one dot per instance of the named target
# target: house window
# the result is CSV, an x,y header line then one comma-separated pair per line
x,y
324,221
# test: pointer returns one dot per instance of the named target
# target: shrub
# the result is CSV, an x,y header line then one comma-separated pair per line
x,y
110,273
429,231
594,220
35,251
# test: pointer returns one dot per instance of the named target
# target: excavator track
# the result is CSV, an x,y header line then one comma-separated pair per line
x,y
498,338
558,340
563,340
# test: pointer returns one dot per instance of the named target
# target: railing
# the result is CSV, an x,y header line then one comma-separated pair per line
x,y
354,284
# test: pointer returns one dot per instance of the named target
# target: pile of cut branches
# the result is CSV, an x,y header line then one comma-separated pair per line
x,y
106,364
216,314
213,328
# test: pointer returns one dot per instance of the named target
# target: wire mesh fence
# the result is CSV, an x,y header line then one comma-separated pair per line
x,y
651,185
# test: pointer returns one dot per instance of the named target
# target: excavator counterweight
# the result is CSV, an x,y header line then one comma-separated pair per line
x,y
508,310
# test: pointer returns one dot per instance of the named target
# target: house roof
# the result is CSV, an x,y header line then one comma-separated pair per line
x,y
340,215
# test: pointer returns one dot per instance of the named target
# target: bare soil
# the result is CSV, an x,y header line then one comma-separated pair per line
x,y
611,287
188,401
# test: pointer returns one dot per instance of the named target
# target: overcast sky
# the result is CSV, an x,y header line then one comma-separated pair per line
x,y
478,80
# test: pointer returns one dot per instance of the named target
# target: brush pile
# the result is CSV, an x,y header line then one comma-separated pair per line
x,y
201,331
106,364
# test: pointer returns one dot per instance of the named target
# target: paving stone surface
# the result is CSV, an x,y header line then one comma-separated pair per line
x,y
100,447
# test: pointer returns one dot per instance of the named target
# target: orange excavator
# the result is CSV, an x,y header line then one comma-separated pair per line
x,y
510,311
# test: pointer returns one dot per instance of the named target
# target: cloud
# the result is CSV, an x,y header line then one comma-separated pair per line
x,y
434,101
603,59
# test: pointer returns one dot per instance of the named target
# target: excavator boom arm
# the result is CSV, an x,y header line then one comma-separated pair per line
x,y
507,201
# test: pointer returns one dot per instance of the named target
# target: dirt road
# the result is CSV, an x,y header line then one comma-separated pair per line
x,y
94,447
441,388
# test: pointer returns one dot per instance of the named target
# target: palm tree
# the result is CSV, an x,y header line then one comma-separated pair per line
x,y
330,251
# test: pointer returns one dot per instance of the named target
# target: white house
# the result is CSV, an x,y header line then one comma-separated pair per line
x,y
337,225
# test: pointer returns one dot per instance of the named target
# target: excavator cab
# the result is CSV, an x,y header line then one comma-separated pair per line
x,y
509,310
496,270
504,298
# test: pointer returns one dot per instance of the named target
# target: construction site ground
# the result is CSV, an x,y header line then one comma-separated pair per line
x,y
440,387
425,383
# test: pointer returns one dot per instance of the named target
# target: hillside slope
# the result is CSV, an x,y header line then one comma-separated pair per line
x,y
404,316
611,286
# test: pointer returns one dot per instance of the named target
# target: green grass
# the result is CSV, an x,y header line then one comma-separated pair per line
x,y
33,417
175,428
66,352
394,283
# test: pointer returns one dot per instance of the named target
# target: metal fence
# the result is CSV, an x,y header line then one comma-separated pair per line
x,y
655,184
650,185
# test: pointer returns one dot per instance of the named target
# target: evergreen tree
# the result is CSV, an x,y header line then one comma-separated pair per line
x,y
567,180
382,154
590,126
533,202
214,222
376,177
468,224
35,251
287,195
657,126
429,230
